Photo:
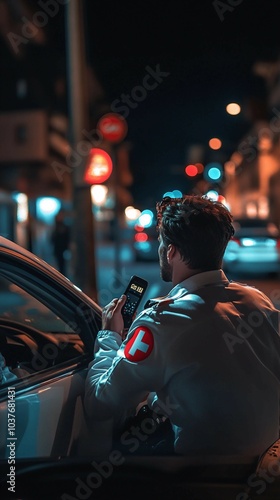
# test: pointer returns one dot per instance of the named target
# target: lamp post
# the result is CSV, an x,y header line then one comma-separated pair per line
x,y
113,128
83,230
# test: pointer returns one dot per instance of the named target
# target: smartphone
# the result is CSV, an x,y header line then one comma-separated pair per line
x,y
134,293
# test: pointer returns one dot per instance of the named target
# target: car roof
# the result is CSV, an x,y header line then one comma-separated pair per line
x,y
15,247
11,245
252,222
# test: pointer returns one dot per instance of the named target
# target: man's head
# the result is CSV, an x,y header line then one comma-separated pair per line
x,y
196,230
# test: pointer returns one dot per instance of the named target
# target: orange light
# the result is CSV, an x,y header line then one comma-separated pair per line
x,y
233,108
221,199
215,143
99,166
191,170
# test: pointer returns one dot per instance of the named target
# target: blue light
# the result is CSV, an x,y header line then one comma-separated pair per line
x,y
47,208
144,246
146,218
212,195
177,193
213,172
173,194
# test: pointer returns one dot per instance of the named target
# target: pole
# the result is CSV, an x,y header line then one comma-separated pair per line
x,y
117,228
84,272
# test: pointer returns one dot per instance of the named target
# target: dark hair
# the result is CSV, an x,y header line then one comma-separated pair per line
x,y
198,227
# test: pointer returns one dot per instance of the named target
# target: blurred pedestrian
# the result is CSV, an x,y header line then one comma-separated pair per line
x,y
60,240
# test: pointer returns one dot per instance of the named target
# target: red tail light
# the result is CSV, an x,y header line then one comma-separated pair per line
x,y
278,243
140,237
138,228
236,240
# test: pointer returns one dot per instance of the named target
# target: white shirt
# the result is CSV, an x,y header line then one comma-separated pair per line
x,y
210,361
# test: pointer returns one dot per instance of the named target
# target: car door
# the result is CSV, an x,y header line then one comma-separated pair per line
x,y
47,331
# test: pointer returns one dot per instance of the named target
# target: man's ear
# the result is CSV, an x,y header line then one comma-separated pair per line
x,y
170,251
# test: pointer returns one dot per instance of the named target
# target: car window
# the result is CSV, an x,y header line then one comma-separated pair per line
x,y
32,337
18,305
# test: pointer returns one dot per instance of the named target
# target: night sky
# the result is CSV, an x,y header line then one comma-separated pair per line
x,y
202,53
206,50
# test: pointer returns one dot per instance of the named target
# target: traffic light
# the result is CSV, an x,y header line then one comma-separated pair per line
x,y
99,166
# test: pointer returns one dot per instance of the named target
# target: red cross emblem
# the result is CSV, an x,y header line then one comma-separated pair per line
x,y
140,346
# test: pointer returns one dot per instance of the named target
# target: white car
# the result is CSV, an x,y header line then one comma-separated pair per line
x,y
47,331
255,247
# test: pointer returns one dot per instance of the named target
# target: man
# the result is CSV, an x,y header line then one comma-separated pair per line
x,y
207,356
60,239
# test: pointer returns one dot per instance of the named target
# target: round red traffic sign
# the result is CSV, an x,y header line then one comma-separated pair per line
x,y
113,127
99,166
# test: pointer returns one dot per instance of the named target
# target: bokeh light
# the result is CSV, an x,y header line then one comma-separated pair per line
x,y
47,208
212,195
213,172
146,218
215,143
173,194
200,167
229,167
233,108
191,170
132,213
22,206
98,194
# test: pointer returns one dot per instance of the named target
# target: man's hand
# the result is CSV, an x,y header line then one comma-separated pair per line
x,y
112,317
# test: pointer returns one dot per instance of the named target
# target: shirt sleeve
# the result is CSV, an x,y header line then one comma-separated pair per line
x,y
123,373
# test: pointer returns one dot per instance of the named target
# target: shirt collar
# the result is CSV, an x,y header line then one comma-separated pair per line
x,y
216,277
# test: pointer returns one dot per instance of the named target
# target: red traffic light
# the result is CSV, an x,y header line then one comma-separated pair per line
x,y
99,166
113,127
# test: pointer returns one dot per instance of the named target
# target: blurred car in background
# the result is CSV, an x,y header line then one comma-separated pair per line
x,y
145,242
255,247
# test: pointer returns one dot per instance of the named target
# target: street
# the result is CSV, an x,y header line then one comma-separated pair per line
x,y
113,275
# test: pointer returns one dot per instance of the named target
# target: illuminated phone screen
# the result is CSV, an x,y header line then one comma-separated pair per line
x,y
134,293
136,288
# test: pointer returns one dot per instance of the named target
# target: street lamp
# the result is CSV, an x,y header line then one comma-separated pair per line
x,y
233,108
